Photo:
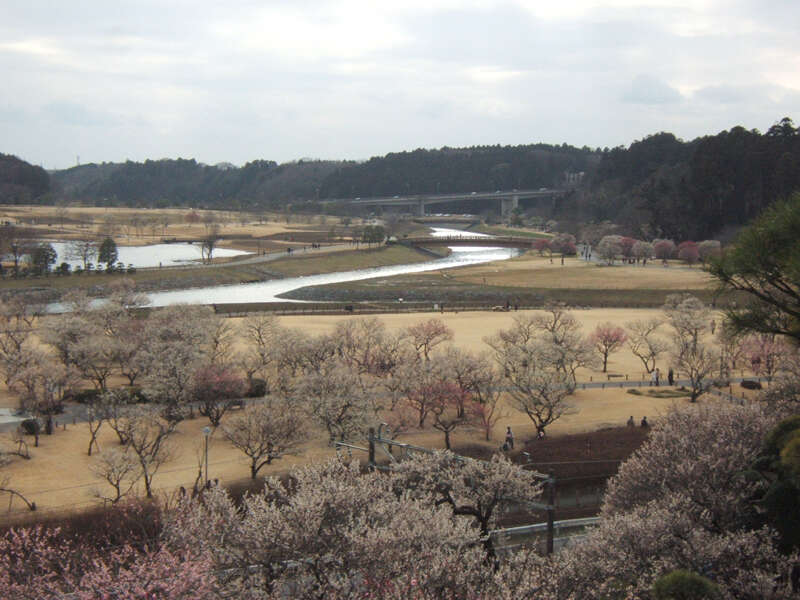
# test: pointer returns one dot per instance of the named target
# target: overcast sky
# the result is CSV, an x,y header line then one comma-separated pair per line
x,y
237,80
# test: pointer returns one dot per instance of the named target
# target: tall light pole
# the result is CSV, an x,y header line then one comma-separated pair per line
x,y
206,433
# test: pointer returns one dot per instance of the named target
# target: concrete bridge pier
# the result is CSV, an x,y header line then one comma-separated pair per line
x,y
507,205
421,208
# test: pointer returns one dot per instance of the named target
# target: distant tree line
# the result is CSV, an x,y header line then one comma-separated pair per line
x,y
658,187
663,187
20,182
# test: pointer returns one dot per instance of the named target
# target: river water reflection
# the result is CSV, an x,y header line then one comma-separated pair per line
x,y
269,291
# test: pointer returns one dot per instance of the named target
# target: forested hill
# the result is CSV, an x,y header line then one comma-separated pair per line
x,y
181,182
475,169
21,182
658,186
662,186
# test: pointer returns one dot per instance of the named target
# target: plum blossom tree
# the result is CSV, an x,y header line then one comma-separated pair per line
x,y
688,252
333,397
43,387
663,249
610,248
642,251
701,454
709,249
764,352
39,564
18,316
177,339
479,490
607,338
216,388
332,532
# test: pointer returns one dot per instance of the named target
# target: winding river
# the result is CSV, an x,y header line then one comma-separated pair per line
x,y
269,291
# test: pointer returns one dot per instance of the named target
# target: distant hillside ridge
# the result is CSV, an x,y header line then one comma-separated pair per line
x,y
663,186
660,186
21,182
186,182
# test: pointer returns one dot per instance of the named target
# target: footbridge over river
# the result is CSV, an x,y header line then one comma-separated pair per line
x,y
509,200
473,241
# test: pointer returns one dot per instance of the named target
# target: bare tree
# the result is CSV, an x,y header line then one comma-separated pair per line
x,y
221,335
451,407
263,335
95,417
147,434
265,432
425,336
643,342
689,317
534,368
120,468
560,342
209,242
84,250
114,405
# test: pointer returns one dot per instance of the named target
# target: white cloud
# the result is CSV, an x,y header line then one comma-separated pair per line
x,y
352,78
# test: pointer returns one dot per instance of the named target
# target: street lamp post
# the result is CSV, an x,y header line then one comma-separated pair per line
x,y
206,433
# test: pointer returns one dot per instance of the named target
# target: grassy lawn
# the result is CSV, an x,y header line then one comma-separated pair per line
x,y
533,271
346,261
512,231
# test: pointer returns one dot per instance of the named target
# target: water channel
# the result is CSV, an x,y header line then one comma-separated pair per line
x,y
269,291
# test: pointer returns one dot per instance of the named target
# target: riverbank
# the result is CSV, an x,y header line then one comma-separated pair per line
x,y
245,270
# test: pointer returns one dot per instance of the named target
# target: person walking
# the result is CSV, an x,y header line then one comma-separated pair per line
x,y
671,376
509,438
631,422
658,376
644,423
653,378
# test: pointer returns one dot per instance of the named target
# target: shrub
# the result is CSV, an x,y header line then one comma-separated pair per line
x,y
86,396
256,388
749,384
683,585
31,426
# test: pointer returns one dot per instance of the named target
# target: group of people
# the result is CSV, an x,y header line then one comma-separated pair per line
x,y
655,377
509,443
632,423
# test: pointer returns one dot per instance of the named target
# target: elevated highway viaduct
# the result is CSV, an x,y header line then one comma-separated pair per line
x,y
418,203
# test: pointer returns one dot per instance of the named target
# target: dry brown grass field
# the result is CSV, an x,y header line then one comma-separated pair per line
x,y
155,224
533,271
58,476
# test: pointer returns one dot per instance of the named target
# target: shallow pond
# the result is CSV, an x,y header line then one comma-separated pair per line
x,y
152,255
